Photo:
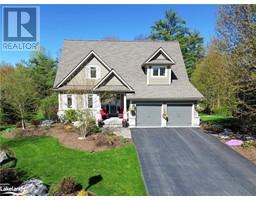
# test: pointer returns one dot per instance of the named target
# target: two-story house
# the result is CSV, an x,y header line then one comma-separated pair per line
x,y
143,82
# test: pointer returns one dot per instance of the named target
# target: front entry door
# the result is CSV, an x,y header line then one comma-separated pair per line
x,y
114,105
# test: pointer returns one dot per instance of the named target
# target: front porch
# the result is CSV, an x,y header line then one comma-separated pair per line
x,y
113,110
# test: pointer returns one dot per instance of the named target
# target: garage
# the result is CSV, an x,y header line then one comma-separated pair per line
x,y
148,114
179,115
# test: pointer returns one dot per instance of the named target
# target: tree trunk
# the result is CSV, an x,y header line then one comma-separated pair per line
x,y
22,118
23,123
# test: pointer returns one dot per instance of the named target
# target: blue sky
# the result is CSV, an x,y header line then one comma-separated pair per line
x,y
59,22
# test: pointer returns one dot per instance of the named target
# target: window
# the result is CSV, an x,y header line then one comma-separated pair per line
x,y
159,71
155,71
93,72
162,71
69,100
90,101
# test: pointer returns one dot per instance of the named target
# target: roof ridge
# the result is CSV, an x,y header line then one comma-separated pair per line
x,y
130,41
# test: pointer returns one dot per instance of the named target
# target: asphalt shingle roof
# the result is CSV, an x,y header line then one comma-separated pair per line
x,y
126,59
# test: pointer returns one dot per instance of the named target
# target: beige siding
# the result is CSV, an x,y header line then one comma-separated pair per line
x,y
160,57
159,80
82,77
113,81
80,101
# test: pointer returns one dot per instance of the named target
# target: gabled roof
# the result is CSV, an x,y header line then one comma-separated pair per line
x,y
154,58
87,57
126,59
103,82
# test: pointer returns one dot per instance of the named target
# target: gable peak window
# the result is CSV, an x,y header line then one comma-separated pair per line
x,y
159,71
93,72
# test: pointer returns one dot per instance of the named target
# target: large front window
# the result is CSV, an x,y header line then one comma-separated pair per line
x,y
159,71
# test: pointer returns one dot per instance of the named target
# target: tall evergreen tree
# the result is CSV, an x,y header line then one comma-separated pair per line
x,y
43,71
173,27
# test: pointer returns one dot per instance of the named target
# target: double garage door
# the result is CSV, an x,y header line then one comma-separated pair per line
x,y
151,114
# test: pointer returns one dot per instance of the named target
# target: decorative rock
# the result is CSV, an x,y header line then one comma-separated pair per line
x,y
47,123
234,142
77,124
33,187
224,137
7,160
247,137
226,131
3,157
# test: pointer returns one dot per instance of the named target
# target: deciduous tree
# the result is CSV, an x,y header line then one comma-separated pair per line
x,y
20,92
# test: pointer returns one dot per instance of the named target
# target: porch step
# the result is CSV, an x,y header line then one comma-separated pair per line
x,y
113,122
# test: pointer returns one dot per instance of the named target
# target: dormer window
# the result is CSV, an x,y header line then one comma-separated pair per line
x,y
93,72
158,71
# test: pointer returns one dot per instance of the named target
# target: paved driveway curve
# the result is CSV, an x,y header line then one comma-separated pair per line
x,y
186,161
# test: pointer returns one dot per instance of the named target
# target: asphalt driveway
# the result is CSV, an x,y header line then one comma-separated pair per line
x,y
186,161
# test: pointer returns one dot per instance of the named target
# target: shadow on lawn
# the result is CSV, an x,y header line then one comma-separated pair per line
x,y
93,181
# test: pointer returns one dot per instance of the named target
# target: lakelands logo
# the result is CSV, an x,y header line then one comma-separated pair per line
x,y
20,28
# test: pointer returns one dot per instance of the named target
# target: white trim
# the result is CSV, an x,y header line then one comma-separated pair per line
x,y
162,51
119,77
170,75
148,74
158,67
80,63
59,100
85,101
166,126
193,113
125,107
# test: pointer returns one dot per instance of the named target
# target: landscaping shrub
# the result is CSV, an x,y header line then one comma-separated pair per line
x,y
70,115
48,108
82,192
107,140
92,127
10,176
249,143
66,186
87,123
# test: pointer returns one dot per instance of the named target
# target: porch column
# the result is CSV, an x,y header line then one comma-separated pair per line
x,y
125,108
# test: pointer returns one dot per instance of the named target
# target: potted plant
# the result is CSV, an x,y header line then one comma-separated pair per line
x,y
165,115
132,109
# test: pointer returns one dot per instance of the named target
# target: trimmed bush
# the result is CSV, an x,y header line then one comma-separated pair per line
x,y
10,176
70,115
66,186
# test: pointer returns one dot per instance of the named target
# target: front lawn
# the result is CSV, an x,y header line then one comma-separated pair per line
x,y
45,158
215,118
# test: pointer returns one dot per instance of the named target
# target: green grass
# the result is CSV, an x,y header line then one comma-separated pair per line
x,y
216,118
45,158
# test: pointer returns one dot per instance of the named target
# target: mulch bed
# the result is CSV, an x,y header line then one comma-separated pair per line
x,y
248,152
68,137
